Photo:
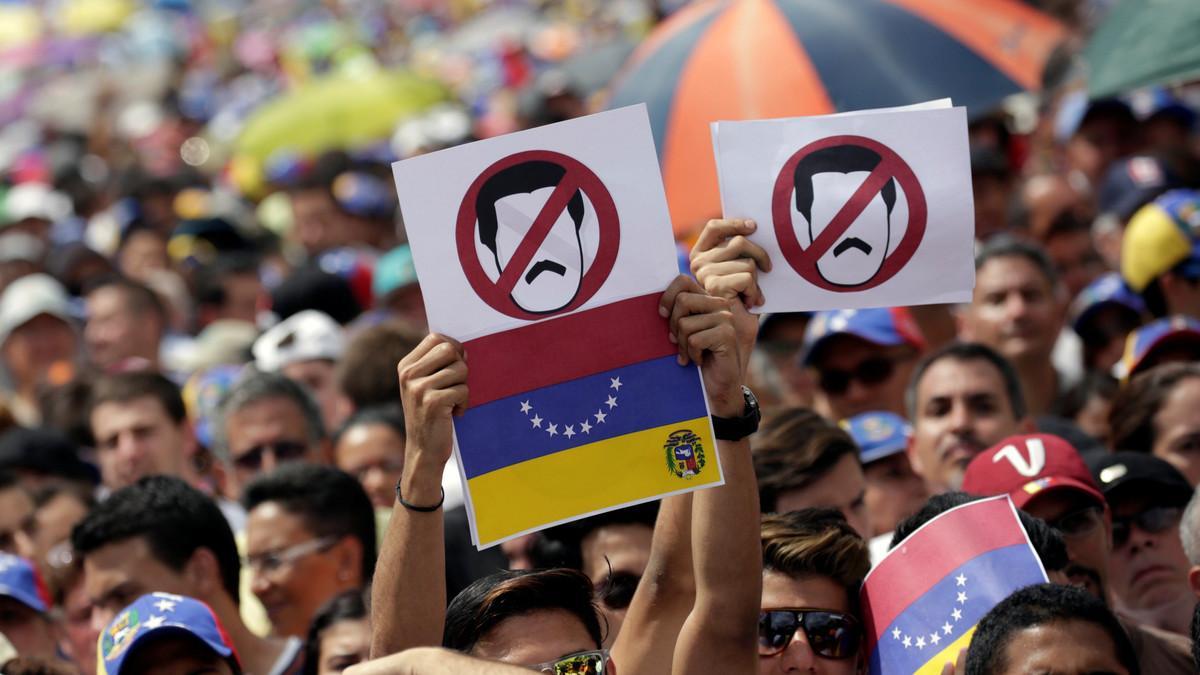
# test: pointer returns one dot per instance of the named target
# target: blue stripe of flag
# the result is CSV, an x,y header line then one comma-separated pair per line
x,y
650,394
986,580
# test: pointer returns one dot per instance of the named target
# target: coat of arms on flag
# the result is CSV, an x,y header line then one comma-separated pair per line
x,y
923,600
545,252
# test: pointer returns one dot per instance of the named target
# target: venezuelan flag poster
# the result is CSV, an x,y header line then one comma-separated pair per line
x,y
545,252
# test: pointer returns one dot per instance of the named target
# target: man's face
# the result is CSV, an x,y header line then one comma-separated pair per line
x,y
842,487
780,591
1076,259
114,332
1015,310
265,434
1088,544
855,376
962,409
16,512
1149,568
30,633
242,293
856,257
36,345
318,223
894,492
551,278
135,439
1177,429
118,573
374,454
614,558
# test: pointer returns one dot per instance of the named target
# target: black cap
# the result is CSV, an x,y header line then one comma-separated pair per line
x,y
311,287
45,452
1120,472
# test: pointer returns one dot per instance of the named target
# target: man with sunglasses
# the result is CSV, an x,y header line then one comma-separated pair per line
x,y
863,359
1045,476
1148,567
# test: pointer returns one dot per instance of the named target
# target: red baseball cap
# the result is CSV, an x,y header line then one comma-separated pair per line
x,y
1027,466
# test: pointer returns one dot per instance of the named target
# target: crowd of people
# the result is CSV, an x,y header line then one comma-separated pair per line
x,y
225,428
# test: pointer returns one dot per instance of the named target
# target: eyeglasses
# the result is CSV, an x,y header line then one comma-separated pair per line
x,y
1153,521
616,592
869,372
273,561
1078,523
284,451
831,635
592,662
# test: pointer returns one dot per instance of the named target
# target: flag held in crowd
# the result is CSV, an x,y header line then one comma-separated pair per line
x,y
923,600
545,253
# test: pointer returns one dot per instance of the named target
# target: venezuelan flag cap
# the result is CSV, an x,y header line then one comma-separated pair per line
x,y
158,616
20,580
1162,236
1148,346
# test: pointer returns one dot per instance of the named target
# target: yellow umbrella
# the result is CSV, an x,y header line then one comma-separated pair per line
x,y
19,25
87,17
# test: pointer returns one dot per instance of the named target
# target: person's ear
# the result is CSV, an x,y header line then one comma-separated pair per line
x,y
1193,577
348,558
914,459
203,574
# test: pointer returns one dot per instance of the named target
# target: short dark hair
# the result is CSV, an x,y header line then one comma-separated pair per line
x,y
562,546
1038,605
836,159
138,297
1008,246
481,606
1046,541
367,370
174,518
390,416
816,541
793,449
128,386
521,178
1131,419
330,502
969,351
346,606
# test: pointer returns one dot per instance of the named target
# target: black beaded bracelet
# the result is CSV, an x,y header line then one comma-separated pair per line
x,y
420,509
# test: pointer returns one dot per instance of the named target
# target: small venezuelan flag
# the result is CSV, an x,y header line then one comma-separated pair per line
x,y
578,415
922,602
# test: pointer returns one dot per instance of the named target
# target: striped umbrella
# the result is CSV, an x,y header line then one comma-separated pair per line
x,y
752,59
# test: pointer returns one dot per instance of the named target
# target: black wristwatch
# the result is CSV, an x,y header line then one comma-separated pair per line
x,y
737,428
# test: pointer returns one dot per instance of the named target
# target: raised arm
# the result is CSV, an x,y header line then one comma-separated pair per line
x,y
719,635
408,600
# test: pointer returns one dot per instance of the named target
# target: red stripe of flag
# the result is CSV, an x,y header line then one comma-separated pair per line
x,y
585,343
936,549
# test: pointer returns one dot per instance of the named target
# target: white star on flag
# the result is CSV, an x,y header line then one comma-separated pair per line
x,y
934,637
947,628
907,642
896,633
155,622
616,383
962,597
569,432
960,580
957,614
552,429
612,402
537,421
165,605
525,407
920,643
585,427
600,417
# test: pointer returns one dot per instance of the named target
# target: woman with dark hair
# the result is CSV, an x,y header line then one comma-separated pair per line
x,y
1156,413
339,637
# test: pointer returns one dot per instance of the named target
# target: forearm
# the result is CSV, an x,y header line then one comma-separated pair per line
x,y
408,600
434,661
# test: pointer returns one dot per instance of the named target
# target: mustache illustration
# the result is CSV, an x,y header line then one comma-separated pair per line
x,y
852,242
544,266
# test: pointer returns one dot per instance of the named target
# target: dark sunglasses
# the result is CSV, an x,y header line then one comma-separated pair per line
x,y
869,372
1079,523
1152,521
831,635
284,451
591,662
616,592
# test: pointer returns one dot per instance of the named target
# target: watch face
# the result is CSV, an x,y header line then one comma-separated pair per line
x,y
751,402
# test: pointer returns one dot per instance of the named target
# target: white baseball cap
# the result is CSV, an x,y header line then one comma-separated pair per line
x,y
305,336
36,200
31,296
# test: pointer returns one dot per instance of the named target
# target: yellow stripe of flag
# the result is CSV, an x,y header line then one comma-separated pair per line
x,y
948,655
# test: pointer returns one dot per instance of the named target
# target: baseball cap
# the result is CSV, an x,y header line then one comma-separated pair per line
x,y
885,327
154,616
202,395
44,452
1157,336
394,271
20,580
1118,472
31,296
1162,236
35,200
306,336
1027,466
878,434
1109,290
1132,183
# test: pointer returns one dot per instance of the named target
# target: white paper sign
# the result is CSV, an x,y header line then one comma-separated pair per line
x,y
855,210
617,245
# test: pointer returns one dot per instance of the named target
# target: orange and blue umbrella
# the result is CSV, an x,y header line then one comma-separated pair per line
x,y
752,59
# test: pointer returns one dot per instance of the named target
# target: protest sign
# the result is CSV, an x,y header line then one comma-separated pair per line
x,y
545,252
865,209
922,602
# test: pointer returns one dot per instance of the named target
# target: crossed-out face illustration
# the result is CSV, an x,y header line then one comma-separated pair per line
x,y
824,182
507,205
